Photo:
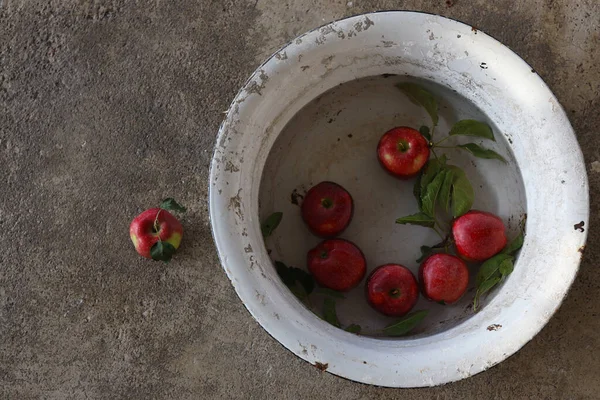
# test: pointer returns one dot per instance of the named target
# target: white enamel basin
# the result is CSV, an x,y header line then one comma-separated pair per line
x,y
315,110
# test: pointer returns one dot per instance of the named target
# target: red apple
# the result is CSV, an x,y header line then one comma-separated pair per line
x,y
403,152
337,264
478,235
327,209
392,290
153,225
444,278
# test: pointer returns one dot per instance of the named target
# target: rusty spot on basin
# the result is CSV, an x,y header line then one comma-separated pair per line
x,y
321,366
295,196
230,167
235,205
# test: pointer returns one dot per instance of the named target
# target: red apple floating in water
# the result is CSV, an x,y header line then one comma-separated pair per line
x,y
337,264
156,233
392,290
478,235
403,152
327,209
444,278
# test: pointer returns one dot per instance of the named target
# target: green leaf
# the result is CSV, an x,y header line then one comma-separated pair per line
x,y
162,251
470,127
485,287
330,292
304,279
488,285
425,252
329,313
354,328
515,245
421,97
462,192
506,267
406,324
171,205
481,152
445,194
420,219
429,197
290,276
490,268
299,292
432,168
417,191
270,224
286,274
424,130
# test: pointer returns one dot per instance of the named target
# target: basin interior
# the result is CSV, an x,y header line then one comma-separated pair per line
x,y
334,138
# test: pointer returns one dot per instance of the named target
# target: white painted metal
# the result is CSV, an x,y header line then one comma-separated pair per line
x,y
261,156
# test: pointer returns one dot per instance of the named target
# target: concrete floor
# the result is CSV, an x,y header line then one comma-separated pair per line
x,y
106,107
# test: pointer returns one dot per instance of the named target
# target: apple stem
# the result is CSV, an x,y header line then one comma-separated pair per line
x,y
432,130
446,147
433,151
403,146
156,227
327,202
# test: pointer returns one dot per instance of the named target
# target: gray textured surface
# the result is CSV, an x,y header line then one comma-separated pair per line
x,y
108,106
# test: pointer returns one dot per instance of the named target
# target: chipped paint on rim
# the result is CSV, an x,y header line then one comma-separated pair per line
x,y
517,100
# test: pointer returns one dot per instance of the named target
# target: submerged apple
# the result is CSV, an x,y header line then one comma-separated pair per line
x,y
337,264
327,209
478,235
392,290
403,152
